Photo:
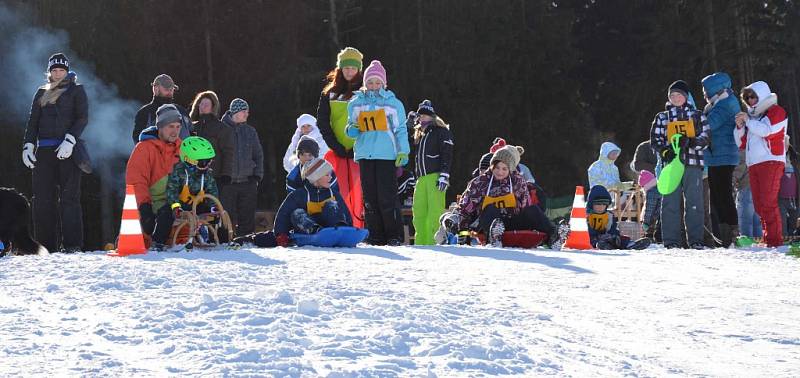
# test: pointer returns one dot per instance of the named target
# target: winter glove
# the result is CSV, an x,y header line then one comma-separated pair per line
x,y
402,160
28,155
667,154
444,182
253,179
147,218
64,150
282,240
224,180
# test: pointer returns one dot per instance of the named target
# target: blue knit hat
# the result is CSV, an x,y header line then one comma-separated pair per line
x,y
238,105
426,107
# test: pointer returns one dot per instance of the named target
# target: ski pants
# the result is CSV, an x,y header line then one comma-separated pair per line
x,y
57,200
428,206
240,200
381,205
690,193
348,176
530,218
765,182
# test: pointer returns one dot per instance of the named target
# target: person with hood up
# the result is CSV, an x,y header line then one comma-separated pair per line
x,y
680,117
306,126
603,171
722,155
206,124
761,131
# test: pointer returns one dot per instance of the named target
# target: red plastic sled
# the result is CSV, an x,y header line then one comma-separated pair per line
x,y
523,239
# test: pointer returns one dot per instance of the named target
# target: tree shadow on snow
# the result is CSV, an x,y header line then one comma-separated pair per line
x,y
244,256
506,254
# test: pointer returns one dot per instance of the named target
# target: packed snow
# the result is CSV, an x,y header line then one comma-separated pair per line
x,y
402,311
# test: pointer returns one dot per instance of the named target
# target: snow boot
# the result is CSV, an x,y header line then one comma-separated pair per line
x,y
496,231
639,244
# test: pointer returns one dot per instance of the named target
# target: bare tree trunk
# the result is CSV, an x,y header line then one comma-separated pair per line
x,y
419,40
334,24
711,40
207,27
741,45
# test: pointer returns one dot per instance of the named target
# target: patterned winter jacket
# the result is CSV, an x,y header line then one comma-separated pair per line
x,y
687,121
603,171
469,206
377,123
196,179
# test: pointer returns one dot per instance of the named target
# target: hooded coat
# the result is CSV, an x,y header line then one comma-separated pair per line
x,y
603,171
290,160
762,137
720,114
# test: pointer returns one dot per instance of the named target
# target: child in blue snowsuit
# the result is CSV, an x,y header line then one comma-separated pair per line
x,y
603,232
312,207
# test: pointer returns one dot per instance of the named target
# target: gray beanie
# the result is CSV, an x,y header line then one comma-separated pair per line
x,y
238,105
167,114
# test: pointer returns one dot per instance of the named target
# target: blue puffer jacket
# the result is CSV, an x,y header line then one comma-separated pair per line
x,y
377,144
720,114
299,199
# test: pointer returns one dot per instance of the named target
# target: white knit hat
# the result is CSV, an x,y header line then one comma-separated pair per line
x,y
315,169
306,119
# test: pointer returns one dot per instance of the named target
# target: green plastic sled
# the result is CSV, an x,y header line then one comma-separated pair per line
x,y
671,176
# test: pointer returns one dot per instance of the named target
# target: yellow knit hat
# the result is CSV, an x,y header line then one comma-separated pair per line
x,y
349,57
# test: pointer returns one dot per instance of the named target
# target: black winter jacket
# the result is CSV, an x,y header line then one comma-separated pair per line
x,y
434,152
146,117
248,155
69,115
221,137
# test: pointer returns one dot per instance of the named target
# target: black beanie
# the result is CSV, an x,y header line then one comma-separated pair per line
x,y
58,60
679,86
426,107
485,162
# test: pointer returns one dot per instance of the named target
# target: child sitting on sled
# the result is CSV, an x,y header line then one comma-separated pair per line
x,y
498,200
603,232
312,207
190,180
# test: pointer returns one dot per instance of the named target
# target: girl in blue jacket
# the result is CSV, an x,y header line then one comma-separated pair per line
x,y
376,122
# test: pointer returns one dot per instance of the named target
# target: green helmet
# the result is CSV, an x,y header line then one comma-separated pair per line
x,y
194,149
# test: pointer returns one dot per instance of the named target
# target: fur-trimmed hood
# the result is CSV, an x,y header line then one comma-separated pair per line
x,y
766,99
215,107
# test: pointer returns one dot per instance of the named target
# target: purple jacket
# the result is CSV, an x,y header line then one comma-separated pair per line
x,y
471,200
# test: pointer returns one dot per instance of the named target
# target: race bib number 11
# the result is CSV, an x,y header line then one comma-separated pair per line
x,y
374,120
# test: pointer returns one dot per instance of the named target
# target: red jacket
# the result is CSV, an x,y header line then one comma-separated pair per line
x,y
149,167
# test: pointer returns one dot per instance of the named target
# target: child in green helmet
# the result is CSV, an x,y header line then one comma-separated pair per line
x,y
190,180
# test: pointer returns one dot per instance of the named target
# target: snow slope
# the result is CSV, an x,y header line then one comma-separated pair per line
x,y
402,311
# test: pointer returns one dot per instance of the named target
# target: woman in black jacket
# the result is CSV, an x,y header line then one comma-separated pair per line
x,y
53,150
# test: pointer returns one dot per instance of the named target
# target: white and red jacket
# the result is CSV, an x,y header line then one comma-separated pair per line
x,y
763,135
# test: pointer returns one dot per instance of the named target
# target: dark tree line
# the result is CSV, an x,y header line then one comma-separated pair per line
x,y
558,77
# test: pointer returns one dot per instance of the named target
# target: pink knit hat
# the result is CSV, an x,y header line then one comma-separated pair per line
x,y
647,179
375,69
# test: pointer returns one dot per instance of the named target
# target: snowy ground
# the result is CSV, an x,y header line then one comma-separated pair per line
x,y
403,311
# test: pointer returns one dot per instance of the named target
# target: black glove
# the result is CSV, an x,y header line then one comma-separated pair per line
x,y
253,179
224,180
147,218
667,154
685,142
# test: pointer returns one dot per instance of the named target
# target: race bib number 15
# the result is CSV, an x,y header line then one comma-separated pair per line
x,y
374,120
685,128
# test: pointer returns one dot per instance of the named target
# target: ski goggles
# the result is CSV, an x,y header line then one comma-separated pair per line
x,y
204,163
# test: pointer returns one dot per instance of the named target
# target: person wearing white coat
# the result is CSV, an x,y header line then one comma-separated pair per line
x,y
306,125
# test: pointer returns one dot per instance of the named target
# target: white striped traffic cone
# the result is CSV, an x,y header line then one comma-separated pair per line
x,y
131,240
578,228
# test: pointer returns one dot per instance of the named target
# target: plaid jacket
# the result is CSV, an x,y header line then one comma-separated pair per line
x,y
675,119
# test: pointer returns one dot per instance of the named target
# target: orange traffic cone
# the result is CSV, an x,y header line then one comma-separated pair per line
x,y
578,228
131,240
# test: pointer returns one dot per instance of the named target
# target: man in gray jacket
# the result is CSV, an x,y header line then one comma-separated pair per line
x,y
241,196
